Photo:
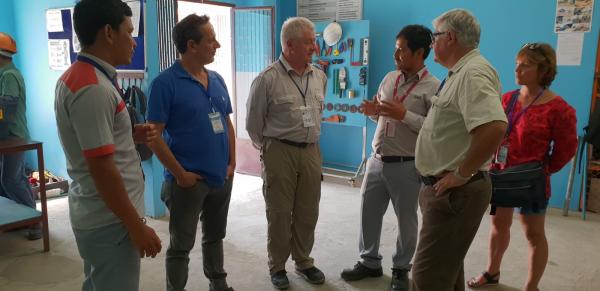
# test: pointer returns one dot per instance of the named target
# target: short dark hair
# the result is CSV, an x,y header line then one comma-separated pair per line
x,y
188,29
417,36
90,16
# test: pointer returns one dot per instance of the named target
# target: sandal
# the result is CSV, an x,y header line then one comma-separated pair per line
x,y
489,280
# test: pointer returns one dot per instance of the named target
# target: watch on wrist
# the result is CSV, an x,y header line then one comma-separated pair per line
x,y
457,174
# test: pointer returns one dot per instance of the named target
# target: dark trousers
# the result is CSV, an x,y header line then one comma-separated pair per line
x,y
450,223
186,206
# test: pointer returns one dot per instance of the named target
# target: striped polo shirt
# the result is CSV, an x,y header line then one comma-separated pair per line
x,y
92,121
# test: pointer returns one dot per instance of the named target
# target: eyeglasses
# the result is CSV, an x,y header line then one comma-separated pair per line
x,y
535,47
532,46
436,34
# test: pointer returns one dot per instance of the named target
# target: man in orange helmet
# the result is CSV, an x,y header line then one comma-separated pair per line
x,y
13,124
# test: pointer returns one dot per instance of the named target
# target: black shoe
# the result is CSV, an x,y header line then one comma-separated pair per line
x,y
280,280
360,271
312,275
34,232
219,285
399,280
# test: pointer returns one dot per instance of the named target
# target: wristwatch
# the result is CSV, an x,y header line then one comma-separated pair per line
x,y
457,174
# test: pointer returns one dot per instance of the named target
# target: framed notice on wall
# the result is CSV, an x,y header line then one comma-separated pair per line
x,y
63,44
329,10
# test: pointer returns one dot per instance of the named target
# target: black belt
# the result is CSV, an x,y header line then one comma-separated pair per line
x,y
394,159
295,144
431,180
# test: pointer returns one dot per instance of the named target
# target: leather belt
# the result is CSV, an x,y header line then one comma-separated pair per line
x,y
394,159
295,144
431,180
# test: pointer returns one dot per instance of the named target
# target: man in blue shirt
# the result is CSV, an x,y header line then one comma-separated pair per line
x,y
190,106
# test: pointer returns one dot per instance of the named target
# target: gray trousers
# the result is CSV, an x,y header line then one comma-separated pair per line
x,y
385,182
110,260
186,206
450,222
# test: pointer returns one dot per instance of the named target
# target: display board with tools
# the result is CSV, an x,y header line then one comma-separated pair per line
x,y
342,51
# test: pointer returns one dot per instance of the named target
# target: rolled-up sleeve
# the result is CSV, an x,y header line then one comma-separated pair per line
x,y
257,106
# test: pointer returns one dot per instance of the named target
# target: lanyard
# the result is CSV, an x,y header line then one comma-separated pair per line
x,y
513,120
101,69
409,89
440,87
297,87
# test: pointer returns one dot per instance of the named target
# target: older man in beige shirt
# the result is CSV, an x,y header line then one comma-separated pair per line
x,y
284,121
454,148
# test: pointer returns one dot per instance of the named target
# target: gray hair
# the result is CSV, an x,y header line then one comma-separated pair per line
x,y
293,27
463,23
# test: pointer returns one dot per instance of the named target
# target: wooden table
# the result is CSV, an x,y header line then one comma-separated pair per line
x,y
19,145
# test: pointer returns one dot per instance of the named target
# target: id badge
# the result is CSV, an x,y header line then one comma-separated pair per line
x,y
308,119
502,154
217,124
390,129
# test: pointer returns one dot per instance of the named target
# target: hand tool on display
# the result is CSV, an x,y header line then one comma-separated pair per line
x,y
342,81
323,48
329,106
335,118
351,48
353,109
317,48
362,80
335,81
351,94
328,51
337,61
345,107
364,52
337,107
324,65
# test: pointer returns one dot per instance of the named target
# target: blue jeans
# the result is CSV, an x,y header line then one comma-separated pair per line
x,y
110,260
14,183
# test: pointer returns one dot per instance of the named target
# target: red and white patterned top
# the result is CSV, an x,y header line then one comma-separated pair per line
x,y
542,124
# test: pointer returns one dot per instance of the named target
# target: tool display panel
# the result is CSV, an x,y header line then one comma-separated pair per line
x,y
343,130
346,74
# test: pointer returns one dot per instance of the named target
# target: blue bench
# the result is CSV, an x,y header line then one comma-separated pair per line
x,y
13,214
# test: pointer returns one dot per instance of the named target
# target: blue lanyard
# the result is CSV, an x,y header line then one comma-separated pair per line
x,y
101,69
511,110
440,87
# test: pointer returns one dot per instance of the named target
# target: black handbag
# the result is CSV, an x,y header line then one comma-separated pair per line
x,y
522,185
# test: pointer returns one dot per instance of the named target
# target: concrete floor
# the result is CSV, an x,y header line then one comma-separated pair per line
x,y
574,249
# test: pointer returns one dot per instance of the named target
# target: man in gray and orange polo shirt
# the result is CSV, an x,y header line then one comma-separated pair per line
x,y
106,198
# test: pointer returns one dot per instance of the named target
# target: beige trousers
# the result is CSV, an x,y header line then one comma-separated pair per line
x,y
292,190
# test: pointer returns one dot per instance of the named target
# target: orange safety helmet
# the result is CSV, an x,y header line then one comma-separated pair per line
x,y
8,46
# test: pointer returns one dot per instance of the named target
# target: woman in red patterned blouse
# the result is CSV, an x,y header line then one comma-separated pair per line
x,y
547,124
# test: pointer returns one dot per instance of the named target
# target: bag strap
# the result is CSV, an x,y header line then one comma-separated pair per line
x,y
512,102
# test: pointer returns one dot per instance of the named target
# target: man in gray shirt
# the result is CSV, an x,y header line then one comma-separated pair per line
x,y
403,99
284,121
